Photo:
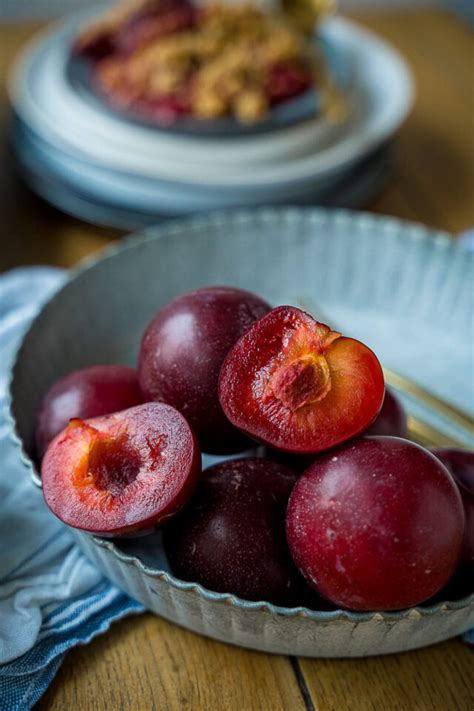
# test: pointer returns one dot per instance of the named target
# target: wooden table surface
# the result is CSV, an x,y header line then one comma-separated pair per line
x,y
147,663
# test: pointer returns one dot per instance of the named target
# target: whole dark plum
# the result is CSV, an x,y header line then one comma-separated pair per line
x,y
231,537
391,420
181,356
84,393
460,462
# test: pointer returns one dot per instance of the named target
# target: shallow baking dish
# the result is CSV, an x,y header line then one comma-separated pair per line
x,y
395,285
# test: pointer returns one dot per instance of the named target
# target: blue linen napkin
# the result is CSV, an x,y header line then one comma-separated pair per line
x,y
51,596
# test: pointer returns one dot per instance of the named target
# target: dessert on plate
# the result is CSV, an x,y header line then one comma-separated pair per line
x,y
162,60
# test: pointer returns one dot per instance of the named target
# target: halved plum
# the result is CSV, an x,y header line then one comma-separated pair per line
x,y
85,393
123,473
391,421
231,537
296,385
182,352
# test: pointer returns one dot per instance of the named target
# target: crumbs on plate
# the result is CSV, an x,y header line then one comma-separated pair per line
x,y
165,59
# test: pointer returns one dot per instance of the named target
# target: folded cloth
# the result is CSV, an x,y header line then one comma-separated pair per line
x,y
51,596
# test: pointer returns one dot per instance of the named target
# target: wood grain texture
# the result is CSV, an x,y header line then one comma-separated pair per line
x,y
147,663
32,231
433,177
439,678
433,174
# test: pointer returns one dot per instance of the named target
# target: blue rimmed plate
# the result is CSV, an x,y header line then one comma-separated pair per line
x,y
119,200
379,96
300,108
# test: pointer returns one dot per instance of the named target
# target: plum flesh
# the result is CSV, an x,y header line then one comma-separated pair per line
x,y
231,537
123,473
390,421
376,524
182,352
294,384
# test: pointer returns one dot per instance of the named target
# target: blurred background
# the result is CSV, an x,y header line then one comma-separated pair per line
x,y
44,8
79,172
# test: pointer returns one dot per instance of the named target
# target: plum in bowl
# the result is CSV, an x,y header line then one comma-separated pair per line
x,y
279,254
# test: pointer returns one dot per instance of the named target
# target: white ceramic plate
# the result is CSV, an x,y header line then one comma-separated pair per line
x,y
396,285
380,95
62,179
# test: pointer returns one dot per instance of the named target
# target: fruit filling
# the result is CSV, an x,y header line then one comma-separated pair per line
x,y
181,355
164,59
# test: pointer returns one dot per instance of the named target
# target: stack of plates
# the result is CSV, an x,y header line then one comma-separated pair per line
x,y
94,163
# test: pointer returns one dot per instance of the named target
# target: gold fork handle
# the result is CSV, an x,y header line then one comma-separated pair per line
x,y
443,408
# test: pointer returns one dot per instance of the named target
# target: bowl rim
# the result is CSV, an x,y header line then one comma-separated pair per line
x,y
167,230
412,613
